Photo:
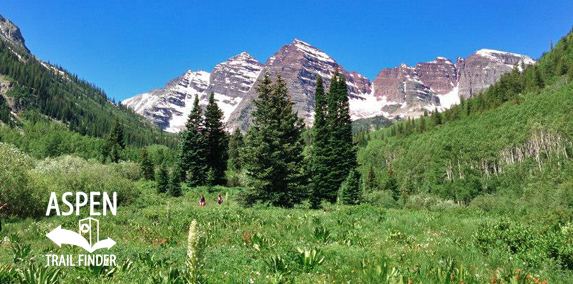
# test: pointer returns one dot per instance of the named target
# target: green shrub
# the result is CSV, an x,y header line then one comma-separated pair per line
x,y
15,188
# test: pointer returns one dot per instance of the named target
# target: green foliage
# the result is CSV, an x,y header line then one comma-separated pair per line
x,y
309,259
526,243
15,181
273,158
193,149
217,142
341,150
162,178
174,188
116,143
371,123
7,274
35,274
333,154
319,153
26,184
146,166
236,144
21,251
57,94
350,190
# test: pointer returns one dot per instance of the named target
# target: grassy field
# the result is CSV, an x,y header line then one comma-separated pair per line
x,y
337,244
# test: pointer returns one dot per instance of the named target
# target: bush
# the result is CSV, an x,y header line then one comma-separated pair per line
x,y
15,188
73,174
382,199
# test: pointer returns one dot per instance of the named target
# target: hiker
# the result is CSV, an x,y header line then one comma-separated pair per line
x,y
219,199
2,208
202,201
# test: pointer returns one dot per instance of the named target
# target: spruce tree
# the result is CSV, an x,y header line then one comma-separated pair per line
x,y
146,165
350,189
236,143
174,188
116,142
193,151
370,181
273,154
392,185
217,141
342,152
162,179
319,154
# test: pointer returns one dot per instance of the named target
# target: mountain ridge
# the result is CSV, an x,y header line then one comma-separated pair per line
x,y
403,91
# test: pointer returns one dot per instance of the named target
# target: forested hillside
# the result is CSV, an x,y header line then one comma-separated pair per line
x,y
30,86
513,141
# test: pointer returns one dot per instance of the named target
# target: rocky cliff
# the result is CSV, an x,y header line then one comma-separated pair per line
x,y
403,91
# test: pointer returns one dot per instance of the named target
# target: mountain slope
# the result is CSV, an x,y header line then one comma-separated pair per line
x,y
169,107
515,138
403,91
11,33
33,86
407,91
299,63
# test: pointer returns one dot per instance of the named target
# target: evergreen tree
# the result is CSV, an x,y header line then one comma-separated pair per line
x,y
162,179
392,185
217,141
370,182
272,158
146,165
116,141
341,150
193,151
422,125
236,143
319,155
174,188
350,189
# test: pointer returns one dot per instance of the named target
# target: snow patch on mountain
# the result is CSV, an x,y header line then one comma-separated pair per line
x,y
496,55
450,99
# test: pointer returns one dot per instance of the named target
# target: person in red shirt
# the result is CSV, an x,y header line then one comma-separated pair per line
x,y
202,201
219,199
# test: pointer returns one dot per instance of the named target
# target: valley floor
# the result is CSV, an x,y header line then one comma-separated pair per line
x,y
337,244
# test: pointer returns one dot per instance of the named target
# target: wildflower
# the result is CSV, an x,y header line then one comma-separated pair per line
x,y
193,251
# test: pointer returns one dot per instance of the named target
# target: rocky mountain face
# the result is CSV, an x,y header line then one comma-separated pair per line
x,y
438,84
403,91
299,64
10,32
483,68
170,106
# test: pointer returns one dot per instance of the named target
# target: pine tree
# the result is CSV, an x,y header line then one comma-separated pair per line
x,y
174,188
342,152
370,182
146,165
319,155
116,141
162,179
272,158
392,185
350,189
236,143
422,125
193,151
217,141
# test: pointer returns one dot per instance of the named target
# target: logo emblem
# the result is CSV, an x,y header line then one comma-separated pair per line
x,y
88,227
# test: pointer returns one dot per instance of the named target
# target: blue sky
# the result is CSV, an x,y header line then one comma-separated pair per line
x,y
129,47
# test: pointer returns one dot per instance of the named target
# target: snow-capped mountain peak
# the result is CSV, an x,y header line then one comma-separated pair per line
x,y
505,57
170,106
404,91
